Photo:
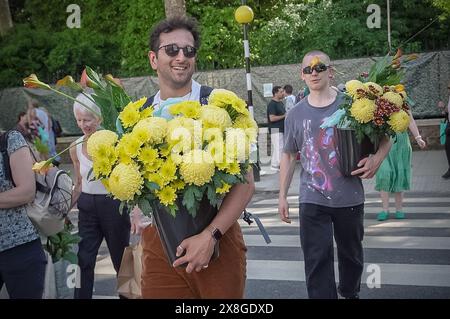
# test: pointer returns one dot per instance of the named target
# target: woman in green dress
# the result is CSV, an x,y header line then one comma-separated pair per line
x,y
394,174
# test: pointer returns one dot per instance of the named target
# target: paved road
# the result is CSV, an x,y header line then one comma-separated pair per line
x,y
413,255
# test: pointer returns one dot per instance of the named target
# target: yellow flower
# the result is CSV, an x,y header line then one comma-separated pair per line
x,y
374,88
105,182
224,189
216,150
102,137
393,98
142,133
353,86
148,155
233,168
42,167
146,113
197,167
224,98
69,82
167,195
363,110
168,170
178,184
151,167
130,145
315,60
130,115
190,109
157,127
101,167
399,121
33,82
248,125
237,145
125,182
155,178
213,116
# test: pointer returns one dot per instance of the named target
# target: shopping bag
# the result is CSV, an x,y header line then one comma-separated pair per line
x,y
442,128
129,277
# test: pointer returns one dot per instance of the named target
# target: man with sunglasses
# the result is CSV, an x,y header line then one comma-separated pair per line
x,y
330,204
173,47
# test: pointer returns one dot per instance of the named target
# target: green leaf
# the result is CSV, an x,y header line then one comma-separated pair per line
x,y
90,173
70,257
212,195
151,185
121,207
144,205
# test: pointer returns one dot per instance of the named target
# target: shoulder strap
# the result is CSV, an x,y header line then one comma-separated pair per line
x,y
4,150
205,91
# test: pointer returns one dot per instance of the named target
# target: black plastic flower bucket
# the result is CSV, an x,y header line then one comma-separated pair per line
x,y
350,151
173,230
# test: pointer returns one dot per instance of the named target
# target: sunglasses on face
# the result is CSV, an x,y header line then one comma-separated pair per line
x,y
173,49
318,68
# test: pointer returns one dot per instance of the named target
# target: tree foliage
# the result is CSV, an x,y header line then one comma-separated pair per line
x,y
114,34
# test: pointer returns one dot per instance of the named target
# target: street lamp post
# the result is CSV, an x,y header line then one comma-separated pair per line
x,y
244,16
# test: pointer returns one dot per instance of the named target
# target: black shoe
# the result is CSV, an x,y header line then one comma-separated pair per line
x,y
446,175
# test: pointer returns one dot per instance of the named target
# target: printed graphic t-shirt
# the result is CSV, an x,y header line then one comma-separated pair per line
x,y
321,182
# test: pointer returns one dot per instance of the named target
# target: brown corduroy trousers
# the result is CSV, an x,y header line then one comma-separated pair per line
x,y
223,279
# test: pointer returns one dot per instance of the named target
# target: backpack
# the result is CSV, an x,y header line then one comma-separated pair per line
x,y
205,91
53,197
56,127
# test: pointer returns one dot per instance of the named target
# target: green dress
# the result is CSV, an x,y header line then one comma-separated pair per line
x,y
394,174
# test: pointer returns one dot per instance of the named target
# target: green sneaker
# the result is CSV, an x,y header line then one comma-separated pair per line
x,y
399,215
382,216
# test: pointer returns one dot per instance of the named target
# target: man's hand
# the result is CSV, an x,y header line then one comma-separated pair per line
x,y
199,249
137,226
283,209
369,166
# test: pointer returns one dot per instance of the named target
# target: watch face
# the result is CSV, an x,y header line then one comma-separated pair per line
x,y
216,234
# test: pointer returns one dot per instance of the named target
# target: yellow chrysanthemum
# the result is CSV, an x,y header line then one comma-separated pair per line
x,y
197,167
101,167
394,98
224,189
151,167
237,145
141,133
213,116
125,182
101,137
233,168
399,88
167,195
363,110
130,115
178,184
104,151
147,112
157,127
148,155
399,121
353,86
190,109
249,125
168,170
227,99
130,145
373,88
216,150
105,182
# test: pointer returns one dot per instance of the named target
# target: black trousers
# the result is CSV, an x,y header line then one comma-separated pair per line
x,y
318,224
22,270
99,218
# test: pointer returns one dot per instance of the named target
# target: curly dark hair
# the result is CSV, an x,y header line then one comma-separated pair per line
x,y
171,24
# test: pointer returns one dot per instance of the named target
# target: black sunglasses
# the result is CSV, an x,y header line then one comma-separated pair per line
x,y
173,49
318,68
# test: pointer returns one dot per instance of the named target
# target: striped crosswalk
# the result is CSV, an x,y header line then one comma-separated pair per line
x,y
411,257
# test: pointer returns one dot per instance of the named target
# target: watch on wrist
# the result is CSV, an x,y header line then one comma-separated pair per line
x,y
216,233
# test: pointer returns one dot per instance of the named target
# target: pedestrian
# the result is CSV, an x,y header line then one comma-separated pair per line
x,y
22,259
173,47
330,204
99,216
446,111
23,127
275,117
394,175
289,100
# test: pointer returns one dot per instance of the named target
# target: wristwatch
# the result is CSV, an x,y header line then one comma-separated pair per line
x,y
216,233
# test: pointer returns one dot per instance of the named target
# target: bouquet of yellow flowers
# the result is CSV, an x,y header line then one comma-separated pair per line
x,y
375,105
202,150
